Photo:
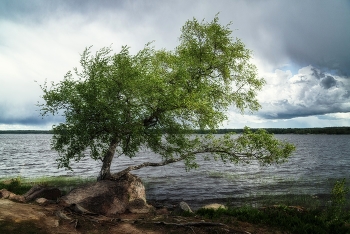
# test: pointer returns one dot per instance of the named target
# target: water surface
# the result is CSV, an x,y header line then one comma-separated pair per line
x,y
318,161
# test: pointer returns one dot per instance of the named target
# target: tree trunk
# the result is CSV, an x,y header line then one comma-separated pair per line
x,y
105,172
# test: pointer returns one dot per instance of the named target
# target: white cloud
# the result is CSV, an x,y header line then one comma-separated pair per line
x,y
303,94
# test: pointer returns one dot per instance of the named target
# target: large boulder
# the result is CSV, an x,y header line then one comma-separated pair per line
x,y
109,197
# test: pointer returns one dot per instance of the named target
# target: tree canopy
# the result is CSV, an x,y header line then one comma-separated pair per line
x,y
118,102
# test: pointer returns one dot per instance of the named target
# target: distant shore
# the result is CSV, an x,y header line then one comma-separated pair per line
x,y
327,130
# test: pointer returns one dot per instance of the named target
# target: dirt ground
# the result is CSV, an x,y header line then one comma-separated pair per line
x,y
32,218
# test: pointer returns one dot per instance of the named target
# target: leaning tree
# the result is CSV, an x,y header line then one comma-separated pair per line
x,y
119,102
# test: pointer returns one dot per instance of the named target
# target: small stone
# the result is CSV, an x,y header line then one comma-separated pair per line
x,y
42,201
214,206
184,207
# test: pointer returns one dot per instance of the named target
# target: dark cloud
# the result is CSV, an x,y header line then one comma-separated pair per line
x,y
286,110
30,120
39,10
328,82
25,115
303,33
318,74
346,95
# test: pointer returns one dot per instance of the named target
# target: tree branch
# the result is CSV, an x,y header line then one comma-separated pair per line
x,y
118,175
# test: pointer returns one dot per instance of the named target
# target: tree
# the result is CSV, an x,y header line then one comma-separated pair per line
x,y
120,102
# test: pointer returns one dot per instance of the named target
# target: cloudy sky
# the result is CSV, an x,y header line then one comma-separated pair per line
x,y
301,48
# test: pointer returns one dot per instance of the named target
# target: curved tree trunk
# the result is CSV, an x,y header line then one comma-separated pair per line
x,y
105,172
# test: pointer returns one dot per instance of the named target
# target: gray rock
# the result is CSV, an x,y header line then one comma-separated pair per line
x,y
214,206
182,208
109,197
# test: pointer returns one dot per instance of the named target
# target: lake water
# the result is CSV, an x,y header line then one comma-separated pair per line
x,y
318,161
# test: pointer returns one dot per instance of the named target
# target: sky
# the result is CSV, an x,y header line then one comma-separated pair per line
x,y
301,48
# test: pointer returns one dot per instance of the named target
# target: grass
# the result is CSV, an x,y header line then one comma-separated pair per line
x,y
65,184
293,213
282,217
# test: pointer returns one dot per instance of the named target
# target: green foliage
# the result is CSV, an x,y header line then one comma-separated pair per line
x,y
336,209
15,185
118,103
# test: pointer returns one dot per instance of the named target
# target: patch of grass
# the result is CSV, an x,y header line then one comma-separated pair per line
x,y
15,185
20,185
282,217
294,213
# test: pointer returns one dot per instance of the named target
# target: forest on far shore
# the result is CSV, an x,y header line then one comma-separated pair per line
x,y
327,130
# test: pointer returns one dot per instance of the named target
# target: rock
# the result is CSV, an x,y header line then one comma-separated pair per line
x,y
17,198
185,207
182,208
139,206
4,193
60,214
214,206
43,201
109,197
38,191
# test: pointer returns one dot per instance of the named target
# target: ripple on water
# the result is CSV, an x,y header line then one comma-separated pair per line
x,y
317,160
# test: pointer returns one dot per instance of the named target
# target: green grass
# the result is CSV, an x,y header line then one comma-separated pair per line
x,y
292,213
65,184
282,217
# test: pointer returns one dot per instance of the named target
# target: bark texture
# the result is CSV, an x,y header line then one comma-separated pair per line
x,y
105,172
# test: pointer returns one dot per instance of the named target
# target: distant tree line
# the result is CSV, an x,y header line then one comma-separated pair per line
x,y
328,130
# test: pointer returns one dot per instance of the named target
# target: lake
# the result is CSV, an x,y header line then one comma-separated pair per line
x,y
318,161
